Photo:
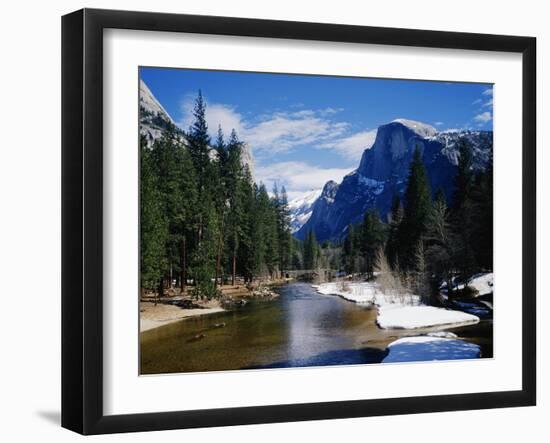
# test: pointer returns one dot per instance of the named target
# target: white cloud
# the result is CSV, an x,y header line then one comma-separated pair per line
x,y
484,117
438,123
281,132
485,103
298,176
225,116
329,111
270,133
216,114
488,103
352,147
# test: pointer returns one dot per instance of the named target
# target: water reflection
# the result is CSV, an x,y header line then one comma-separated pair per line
x,y
300,328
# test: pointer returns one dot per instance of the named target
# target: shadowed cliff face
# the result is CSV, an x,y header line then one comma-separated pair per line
x,y
384,169
321,212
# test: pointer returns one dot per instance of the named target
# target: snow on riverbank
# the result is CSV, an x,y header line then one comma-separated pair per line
x,y
401,312
426,348
483,283
368,293
412,317
362,293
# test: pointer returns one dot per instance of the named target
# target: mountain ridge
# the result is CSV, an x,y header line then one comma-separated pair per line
x,y
383,172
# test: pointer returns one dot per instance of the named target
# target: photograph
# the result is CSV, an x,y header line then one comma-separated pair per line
x,y
294,220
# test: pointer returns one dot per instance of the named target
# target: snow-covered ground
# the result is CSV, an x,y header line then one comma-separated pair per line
x,y
426,348
421,316
397,312
365,293
483,283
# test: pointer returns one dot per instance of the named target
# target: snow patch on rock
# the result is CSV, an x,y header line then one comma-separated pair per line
x,y
422,129
375,186
301,209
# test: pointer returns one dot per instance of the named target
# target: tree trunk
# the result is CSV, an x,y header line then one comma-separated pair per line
x,y
218,262
160,292
449,287
183,277
234,270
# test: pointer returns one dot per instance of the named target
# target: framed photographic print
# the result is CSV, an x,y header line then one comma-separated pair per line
x,y
269,221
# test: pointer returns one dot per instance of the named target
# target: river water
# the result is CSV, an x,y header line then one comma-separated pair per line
x,y
299,328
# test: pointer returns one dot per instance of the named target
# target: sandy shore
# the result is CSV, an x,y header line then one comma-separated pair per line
x,y
152,316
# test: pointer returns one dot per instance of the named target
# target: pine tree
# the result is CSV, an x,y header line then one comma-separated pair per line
x,y
204,260
198,138
199,147
221,152
464,178
221,197
176,184
350,251
372,237
282,213
417,209
285,236
237,183
440,243
463,211
250,247
311,251
394,221
482,218
153,225
296,259
186,218
266,218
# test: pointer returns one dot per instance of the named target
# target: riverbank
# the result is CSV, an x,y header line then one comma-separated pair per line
x,y
151,316
397,311
176,306
300,328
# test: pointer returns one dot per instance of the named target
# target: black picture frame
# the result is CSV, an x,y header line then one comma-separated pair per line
x,y
82,220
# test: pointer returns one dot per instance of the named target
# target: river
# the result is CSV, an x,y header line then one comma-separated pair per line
x,y
299,328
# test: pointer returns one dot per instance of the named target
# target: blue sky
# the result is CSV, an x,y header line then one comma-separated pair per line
x,y
306,130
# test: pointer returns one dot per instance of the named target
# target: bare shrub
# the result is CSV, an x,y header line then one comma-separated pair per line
x,y
344,286
395,286
420,283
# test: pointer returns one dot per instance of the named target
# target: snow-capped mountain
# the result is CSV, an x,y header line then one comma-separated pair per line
x,y
154,120
319,208
422,129
300,209
383,173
